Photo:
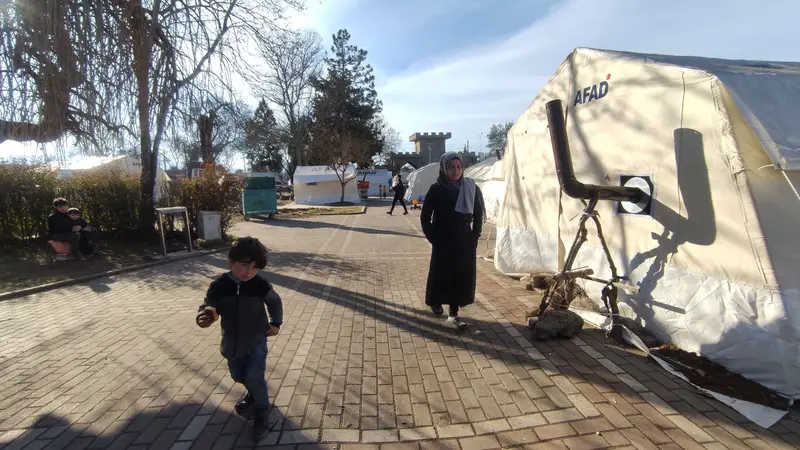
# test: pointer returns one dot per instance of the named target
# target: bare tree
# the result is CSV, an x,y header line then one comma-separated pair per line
x,y
62,69
221,123
338,152
392,142
294,59
74,67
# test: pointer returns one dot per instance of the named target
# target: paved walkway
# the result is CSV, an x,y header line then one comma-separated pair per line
x,y
360,362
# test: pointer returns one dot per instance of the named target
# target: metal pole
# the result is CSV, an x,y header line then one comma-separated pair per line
x,y
188,229
161,231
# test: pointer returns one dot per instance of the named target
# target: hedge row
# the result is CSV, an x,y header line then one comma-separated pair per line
x,y
108,199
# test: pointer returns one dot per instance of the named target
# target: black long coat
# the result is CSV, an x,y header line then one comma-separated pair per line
x,y
454,236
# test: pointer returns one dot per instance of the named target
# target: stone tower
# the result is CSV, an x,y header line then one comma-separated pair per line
x,y
429,145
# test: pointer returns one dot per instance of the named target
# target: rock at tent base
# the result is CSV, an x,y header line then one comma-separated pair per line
x,y
555,323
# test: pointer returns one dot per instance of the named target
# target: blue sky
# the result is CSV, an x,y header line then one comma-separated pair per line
x,y
462,65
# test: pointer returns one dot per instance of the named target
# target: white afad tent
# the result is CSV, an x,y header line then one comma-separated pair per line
x,y
320,185
717,256
376,178
420,180
488,175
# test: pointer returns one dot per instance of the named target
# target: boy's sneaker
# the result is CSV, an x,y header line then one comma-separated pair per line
x,y
242,407
456,322
260,424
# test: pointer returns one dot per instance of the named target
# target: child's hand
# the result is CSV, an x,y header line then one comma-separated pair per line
x,y
273,331
206,317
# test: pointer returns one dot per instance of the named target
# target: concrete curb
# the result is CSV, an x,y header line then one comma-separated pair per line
x,y
78,280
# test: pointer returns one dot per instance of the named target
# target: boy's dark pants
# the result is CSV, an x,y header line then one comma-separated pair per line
x,y
250,370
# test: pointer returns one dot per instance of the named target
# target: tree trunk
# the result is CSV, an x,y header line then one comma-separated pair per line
x,y
341,200
205,125
142,48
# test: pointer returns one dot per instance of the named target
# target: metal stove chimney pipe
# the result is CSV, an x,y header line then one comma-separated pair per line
x,y
566,174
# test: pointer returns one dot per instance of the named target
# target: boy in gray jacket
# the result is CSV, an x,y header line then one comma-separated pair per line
x,y
239,297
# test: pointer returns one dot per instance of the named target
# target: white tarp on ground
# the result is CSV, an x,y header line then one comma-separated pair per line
x,y
717,262
319,185
420,180
376,178
488,175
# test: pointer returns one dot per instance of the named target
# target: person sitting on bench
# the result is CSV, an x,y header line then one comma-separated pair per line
x,y
62,228
86,233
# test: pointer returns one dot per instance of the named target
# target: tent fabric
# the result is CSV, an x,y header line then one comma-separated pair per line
x,y
376,178
716,261
764,92
320,185
420,180
482,171
488,175
131,165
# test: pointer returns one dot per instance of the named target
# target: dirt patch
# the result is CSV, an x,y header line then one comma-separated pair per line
x,y
27,265
714,377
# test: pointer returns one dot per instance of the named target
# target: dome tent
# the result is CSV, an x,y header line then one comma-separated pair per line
x,y
716,258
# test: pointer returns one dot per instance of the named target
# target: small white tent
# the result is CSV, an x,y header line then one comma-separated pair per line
x,y
488,175
717,259
319,185
376,178
420,180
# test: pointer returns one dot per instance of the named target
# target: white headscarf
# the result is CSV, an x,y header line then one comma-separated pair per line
x,y
464,186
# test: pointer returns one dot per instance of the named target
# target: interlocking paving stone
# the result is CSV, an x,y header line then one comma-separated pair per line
x,y
360,361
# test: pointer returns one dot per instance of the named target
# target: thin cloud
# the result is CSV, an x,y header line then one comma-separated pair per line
x,y
469,91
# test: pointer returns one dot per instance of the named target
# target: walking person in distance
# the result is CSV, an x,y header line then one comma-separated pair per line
x,y
399,192
452,220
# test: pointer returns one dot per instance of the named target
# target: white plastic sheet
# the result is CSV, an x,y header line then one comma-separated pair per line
x,y
761,415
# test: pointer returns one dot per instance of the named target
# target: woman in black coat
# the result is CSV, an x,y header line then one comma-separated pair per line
x,y
452,220
399,192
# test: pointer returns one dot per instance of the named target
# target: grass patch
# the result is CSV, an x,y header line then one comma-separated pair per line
x,y
311,212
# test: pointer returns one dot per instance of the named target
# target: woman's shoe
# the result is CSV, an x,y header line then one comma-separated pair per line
x,y
438,310
457,323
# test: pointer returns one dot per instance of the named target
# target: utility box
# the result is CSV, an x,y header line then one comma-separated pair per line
x,y
209,227
259,198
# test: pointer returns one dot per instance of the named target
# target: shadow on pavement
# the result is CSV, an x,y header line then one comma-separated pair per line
x,y
316,224
186,425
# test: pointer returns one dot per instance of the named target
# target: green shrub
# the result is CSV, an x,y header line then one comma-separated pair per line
x,y
214,190
26,197
109,199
